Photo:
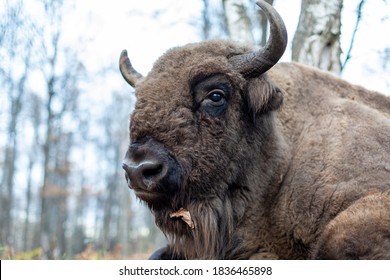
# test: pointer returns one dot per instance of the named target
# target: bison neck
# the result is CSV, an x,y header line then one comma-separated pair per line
x,y
236,225
256,195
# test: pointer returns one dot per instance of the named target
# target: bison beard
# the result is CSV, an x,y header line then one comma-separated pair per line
x,y
210,237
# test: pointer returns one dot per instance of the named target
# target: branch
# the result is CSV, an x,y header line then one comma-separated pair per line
x,y
358,20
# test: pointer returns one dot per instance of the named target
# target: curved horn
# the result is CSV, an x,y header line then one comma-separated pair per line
x,y
254,64
128,72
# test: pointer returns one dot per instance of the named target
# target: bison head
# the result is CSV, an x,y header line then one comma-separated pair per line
x,y
203,138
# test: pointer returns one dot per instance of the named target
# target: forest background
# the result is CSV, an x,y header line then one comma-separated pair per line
x,y
64,107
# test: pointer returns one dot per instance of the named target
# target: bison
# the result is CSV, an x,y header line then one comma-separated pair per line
x,y
240,161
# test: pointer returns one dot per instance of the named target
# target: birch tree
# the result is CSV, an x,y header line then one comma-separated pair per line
x,y
317,39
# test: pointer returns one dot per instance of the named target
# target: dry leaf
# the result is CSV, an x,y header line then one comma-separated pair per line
x,y
184,215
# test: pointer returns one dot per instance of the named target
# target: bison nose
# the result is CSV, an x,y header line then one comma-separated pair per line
x,y
151,170
145,174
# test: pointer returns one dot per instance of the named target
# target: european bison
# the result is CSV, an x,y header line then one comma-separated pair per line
x,y
230,173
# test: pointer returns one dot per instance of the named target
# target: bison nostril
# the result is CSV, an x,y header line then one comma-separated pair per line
x,y
151,170
145,174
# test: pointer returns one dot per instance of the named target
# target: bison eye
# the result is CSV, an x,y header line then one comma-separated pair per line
x,y
217,97
215,102
211,95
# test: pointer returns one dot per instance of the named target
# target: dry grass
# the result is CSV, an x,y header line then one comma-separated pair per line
x,y
7,253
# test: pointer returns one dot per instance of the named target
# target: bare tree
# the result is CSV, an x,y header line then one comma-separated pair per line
x,y
264,24
238,21
17,43
206,19
235,19
33,159
358,20
117,215
62,90
214,21
317,39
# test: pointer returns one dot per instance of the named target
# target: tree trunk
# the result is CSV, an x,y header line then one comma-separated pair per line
x,y
61,90
317,39
264,24
107,220
238,22
206,20
45,198
26,231
7,185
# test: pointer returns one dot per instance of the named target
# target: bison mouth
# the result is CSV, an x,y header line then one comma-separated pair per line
x,y
148,196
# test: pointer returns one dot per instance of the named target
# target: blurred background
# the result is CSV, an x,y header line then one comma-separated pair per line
x,y
64,107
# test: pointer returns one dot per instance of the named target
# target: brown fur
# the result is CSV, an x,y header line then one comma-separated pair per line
x,y
266,184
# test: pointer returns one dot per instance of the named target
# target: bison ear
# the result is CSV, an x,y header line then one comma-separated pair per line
x,y
263,96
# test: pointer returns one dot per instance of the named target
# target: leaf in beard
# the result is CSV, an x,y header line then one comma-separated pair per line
x,y
185,215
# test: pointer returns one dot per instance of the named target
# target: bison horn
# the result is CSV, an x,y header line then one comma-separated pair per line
x,y
253,64
128,72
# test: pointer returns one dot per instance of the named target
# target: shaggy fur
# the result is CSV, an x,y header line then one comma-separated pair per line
x,y
309,179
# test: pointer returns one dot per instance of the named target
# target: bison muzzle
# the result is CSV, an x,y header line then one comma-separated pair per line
x,y
151,171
